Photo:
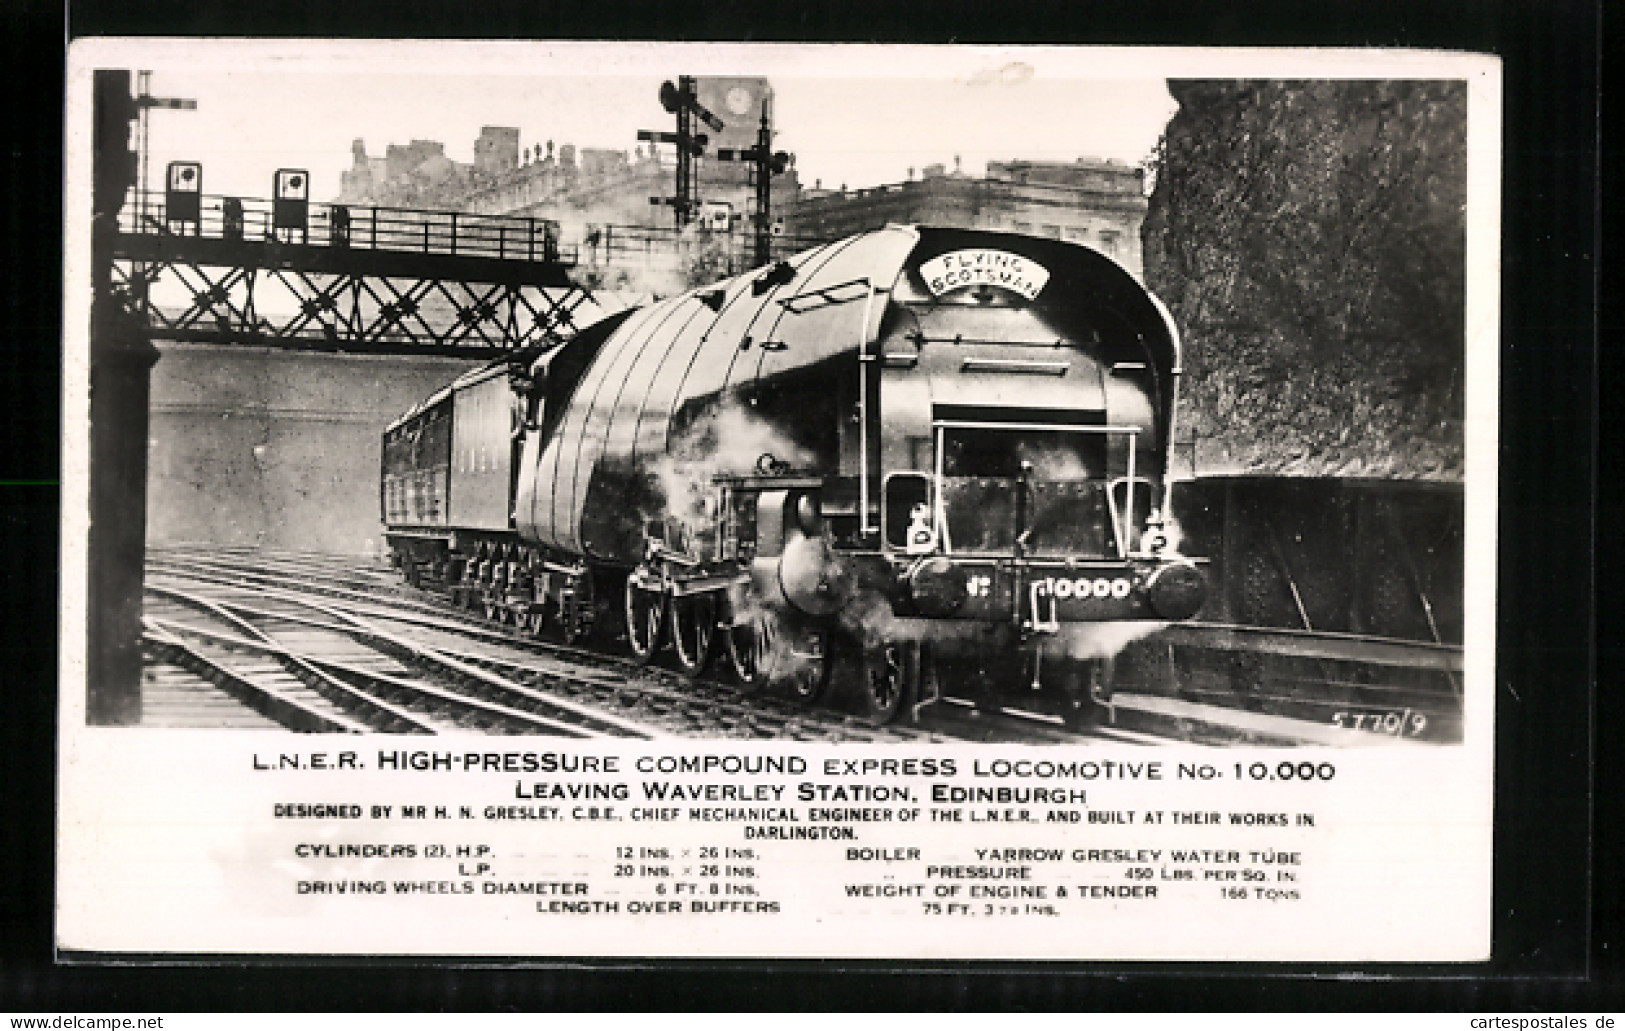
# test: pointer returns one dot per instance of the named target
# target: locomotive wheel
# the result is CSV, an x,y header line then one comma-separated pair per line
x,y
766,651
807,655
1081,707
573,625
693,632
645,621
750,647
890,673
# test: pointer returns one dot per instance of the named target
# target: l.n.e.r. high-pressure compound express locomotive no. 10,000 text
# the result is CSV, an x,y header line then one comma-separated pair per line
x,y
914,459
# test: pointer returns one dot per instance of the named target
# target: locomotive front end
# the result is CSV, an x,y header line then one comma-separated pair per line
x,y
1026,391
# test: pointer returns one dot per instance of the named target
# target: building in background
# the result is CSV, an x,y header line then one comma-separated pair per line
x,y
600,197
584,189
1100,204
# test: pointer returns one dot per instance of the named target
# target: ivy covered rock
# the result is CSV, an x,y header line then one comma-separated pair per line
x,y
1310,238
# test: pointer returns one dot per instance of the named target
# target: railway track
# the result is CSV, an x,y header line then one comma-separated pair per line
x,y
174,696
288,634
312,667
331,644
302,643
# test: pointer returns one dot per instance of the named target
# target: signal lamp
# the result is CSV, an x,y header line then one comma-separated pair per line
x,y
670,98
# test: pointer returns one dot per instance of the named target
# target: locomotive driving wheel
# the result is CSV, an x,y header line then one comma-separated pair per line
x,y
767,649
645,620
808,664
750,643
890,675
693,631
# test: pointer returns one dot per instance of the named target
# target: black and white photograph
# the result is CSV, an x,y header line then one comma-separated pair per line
x,y
769,500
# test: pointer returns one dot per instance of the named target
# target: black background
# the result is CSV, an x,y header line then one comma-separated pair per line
x,y
1557,927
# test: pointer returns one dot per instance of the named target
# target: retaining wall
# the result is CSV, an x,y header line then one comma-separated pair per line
x,y
275,449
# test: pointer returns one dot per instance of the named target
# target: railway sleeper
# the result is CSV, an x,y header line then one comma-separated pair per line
x,y
267,701
483,712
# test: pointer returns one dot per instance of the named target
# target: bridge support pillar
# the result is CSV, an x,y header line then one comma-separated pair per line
x,y
121,360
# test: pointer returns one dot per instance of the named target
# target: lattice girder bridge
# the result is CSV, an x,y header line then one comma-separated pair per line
x,y
370,280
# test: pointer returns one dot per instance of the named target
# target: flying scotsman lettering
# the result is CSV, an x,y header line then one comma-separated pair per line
x,y
984,266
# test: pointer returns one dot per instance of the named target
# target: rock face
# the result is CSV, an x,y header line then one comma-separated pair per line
x,y
1310,239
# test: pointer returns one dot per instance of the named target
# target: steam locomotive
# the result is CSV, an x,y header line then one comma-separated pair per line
x,y
911,461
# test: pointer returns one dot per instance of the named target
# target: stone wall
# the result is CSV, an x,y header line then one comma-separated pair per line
x,y
278,449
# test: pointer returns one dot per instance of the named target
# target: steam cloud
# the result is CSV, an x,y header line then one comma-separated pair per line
x,y
1104,640
728,440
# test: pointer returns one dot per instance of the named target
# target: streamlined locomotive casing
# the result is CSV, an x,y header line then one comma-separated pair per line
x,y
855,367
911,445
730,356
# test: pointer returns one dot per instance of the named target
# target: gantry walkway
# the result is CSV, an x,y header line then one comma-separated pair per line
x,y
355,279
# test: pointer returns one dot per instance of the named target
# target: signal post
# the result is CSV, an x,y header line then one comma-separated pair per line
x,y
765,163
680,100
121,360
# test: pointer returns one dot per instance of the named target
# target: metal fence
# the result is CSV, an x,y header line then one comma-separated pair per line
x,y
407,230
697,254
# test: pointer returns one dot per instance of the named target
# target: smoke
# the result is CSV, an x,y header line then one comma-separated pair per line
x,y
655,262
1172,532
787,658
1104,640
868,618
1055,460
728,440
